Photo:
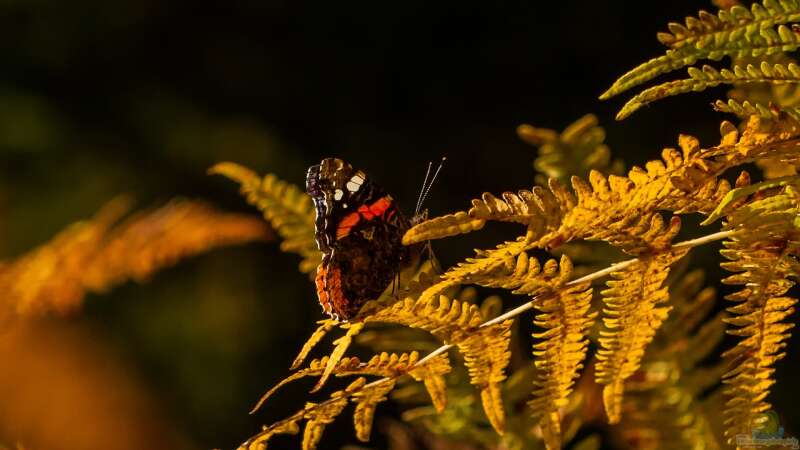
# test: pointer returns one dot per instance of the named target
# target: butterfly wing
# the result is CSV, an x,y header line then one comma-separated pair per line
x,y
359,229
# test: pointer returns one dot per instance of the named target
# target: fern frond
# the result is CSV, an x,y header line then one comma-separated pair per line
x,y
285,206
381,365
765,29
775,168
633,313
623,210
762,255
485,349
340,347
325,326
559,352
700,80
98,254
444,226
486,356
290,425
366,396
662,408
525,275
745,191
473,270
366,402
747,108
577,150
431,374
316,415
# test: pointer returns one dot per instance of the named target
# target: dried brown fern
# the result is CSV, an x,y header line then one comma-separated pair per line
x,y
576,151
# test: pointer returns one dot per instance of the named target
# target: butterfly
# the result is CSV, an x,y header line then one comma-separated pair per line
x,y
359,229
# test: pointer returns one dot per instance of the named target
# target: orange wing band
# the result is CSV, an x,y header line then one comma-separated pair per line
x,y
366,212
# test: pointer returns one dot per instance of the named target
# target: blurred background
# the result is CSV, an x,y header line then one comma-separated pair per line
x,y
101,98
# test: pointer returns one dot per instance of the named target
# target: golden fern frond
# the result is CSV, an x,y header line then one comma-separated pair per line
x,y
767,28
475,270
620,210
340,347
316,415
662,408
485,349
577,150
486,356
443,226
366,396
366,402
285,206
431,374
525,275
559,352
290,425
382,365
412,283
325,326
95,255
632,314
762,255
150,240
601,211
700,80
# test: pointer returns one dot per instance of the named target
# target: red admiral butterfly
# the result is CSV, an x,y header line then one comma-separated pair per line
x,y
359,230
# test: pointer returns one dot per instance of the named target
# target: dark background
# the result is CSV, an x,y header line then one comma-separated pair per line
x,y
99,98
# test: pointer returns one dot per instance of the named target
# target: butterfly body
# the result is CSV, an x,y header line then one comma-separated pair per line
x,y
359,230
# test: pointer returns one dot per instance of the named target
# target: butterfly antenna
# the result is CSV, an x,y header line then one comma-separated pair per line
x,y
422,191
428,187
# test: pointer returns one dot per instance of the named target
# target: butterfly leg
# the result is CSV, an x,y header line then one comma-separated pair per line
x,y
432,258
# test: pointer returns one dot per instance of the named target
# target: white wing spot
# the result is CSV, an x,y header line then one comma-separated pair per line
x,y
338,195
357,178
352,186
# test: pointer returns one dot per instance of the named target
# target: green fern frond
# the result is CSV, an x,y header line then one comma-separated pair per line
x,y
765,29
762,255
747,108
286,207
700,80
577,150
740,193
